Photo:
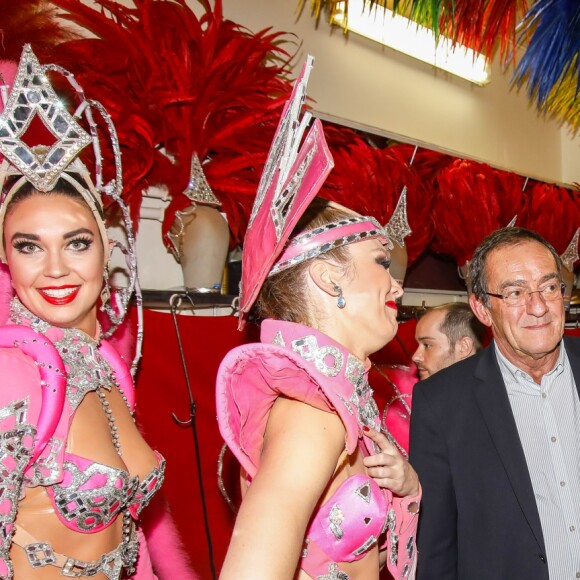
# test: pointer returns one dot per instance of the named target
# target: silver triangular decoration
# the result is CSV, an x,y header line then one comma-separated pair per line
x,y
33,96
398,227
570,254
279,339
198,189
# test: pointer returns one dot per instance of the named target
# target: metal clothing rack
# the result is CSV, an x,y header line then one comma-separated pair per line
x,y
188,300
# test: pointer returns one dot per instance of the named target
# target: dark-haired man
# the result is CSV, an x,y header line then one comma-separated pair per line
x,y
445,335
495,438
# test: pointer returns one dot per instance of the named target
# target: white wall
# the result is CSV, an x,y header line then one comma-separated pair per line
x,y
570,157
365,84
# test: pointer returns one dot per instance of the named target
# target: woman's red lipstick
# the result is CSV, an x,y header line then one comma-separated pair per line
x,y
59,295
391,304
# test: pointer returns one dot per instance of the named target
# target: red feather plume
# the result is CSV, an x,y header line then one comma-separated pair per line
x,y
553,212
34,22
177,84
467,188
370,181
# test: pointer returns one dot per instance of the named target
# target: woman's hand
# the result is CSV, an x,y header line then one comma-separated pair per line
x,y
389,468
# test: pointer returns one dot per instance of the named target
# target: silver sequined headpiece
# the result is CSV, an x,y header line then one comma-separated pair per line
x,y
33,97
570,254
398,227
313,243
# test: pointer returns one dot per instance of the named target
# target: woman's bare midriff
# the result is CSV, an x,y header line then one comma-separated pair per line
x,y
89,437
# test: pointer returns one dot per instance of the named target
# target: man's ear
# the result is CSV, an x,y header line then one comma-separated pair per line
x,y
464,347
325,275
480,310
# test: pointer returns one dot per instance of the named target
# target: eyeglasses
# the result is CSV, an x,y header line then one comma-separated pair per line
x,y
519,296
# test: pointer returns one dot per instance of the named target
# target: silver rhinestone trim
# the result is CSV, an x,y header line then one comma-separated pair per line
x,y
283,201
279,339
369,543
334,573
307,237
364,492
307,347
336,518
40,554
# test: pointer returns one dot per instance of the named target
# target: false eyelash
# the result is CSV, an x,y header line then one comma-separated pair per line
x,y
20,246
385,263
82,239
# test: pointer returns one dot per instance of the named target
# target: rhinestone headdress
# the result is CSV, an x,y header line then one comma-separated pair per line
x,y
570,254
292,176
313,243
33,97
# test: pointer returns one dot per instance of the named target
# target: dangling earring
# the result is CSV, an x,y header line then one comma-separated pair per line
x,y
340,301
106,291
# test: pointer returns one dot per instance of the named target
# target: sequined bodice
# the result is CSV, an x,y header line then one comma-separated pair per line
x,y
92,495
87,496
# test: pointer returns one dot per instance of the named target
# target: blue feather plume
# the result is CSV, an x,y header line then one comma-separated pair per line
x,y
553,50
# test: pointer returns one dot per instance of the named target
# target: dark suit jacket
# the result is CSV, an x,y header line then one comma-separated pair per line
x,y
479,519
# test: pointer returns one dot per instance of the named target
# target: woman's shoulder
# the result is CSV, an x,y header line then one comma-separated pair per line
x,y
250,380
22,348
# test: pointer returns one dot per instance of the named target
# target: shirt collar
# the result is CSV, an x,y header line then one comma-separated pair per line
x,y
519,374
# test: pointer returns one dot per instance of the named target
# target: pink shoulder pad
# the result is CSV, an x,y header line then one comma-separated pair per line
x,y
48,379
249,380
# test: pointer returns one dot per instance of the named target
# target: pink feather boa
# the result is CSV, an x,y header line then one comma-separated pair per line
x,y
168,556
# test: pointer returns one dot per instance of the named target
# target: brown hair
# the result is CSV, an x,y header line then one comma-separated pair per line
x,y
460,321
62,187
283,295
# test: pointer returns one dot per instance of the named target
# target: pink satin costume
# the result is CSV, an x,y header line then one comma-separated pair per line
x,y
301,363
39,397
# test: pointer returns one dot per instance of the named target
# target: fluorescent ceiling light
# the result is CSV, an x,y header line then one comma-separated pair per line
x,y
395,31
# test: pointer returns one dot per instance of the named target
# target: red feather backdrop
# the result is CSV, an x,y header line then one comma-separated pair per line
x,y
491,198
31,21
177,84
553,212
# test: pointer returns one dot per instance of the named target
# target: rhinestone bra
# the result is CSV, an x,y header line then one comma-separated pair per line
x,y
92,495
349,524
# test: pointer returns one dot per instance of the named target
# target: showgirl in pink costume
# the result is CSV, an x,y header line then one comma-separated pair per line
x,y
76,473
326,495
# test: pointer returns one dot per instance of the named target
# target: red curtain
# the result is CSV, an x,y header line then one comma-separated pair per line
x,y
161,391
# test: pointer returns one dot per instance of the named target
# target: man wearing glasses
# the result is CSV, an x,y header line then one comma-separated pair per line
x,y
495,439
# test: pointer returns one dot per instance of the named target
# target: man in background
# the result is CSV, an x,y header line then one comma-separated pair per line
x,y
446,334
